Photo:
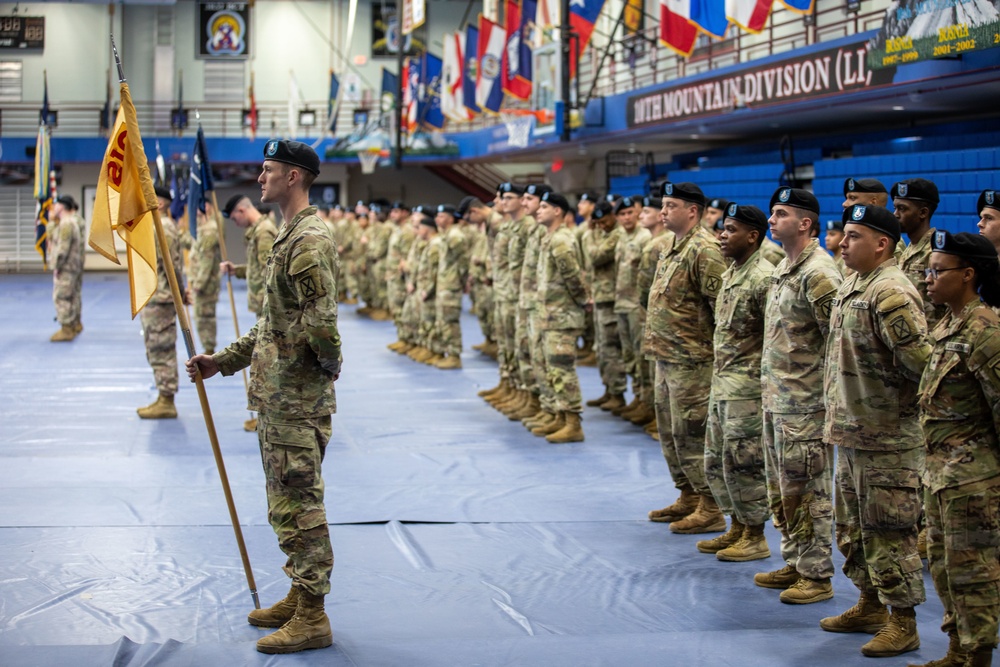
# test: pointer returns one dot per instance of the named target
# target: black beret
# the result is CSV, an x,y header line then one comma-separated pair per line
x,y
867,185
601,209
719,203
878,218
336,207
425,219
557,200
447,208
795,197
916,188
625,202
651,201
323,206
588,196
164,192
294,153
685,191
537,189
424,209
611,197
509,187
463,206
963,244
835,226
400,205
66,201
719,225
751,216
988,199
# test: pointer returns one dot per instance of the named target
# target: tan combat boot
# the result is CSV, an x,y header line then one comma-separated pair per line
x,y
506,399
807,591
652,430
897,636
783,578
752,545
64,335
451,362
405,348
78,326
955,657
541,419
641,415
981,657
277,614
868,615
250,424
529,409
486,393
717,544
380,315
596,402
621,410
433,360
615,401
395,346
554,424
686,504
161,408
515,404
308,628
589,359
572,430
706,519
502,394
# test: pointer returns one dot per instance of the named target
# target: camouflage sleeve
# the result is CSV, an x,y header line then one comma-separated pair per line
x,y
604,252
515,253
184,237
647,271
821,289
984,363
265,239
241,271
433,259
314,278
460,251
900,325
64,244
237,356
708,269
564,252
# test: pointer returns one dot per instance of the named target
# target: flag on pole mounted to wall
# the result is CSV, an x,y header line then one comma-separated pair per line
x,y
200,181
470,69
429,108
676,30
452,78
411,86
710,17
251,119
178,192
124,204
43,193
751,15
332,108
514,69
390,86
161,167
548,19
489,88
582,17
799,6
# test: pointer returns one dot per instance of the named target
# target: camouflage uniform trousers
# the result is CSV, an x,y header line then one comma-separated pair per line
x,y
380,284
681,398
292,452
631,327
560,370
800,490
878,504
396,294
352,279
409,319
204,318
159,330
365,284
427,328
484,309
734,460
539,364
588,330
522,341
78,294
609,349
66,298
963,546
507,321
447,326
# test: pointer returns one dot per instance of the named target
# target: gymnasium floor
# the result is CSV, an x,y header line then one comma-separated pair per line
x,y
460,539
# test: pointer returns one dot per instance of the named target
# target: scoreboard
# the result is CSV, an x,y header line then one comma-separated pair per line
x,y
22,32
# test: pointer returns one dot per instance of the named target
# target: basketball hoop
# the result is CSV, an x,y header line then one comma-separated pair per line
x,y
369,159
518,128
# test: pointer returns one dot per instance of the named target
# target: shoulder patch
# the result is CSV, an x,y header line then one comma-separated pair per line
x,y
713,283
900,328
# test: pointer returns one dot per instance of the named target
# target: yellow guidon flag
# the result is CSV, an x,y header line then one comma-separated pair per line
x,y
125,201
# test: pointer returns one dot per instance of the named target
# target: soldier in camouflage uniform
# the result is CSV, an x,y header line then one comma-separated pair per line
x,y
426,287
260,236
563,298
294,354
599,256
531,357
206,258
715,213
875,355
679,326
508,196
662,241
586,356
988,210
960,418
480,282
799,463
67,268
400,240
159,320
450,285
631,317
346,234
410,331
834,235
914,202
376,254
734,453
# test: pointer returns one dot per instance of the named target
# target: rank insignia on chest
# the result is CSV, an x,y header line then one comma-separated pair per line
x,y
964,348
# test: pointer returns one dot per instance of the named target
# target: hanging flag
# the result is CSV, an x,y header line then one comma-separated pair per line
x,y
676,31
710,17
332,108
124,204
429,107
43,190
512,66
489,89
548,19
452,95
161,167
390,86
582,17
293,106
178,193
251,116
799,6
751,15
470,70
107,113
411,86
529,8
200,181
45,113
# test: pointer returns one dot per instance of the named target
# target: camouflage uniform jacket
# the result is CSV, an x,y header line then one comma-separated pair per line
x,y
528,293
657,245
346,236
400,241
260,238
519,231
739,329
480,259
772,252
680,320
82,226
580,231
163,293
67,254
294,348
875,355
602,259
562,291
413,258
912,262
427,269
796,326
451,266
378,241
960,399
205,259
502,285
628,256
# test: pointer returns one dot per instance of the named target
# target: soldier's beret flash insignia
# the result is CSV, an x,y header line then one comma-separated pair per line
x,y
784,195
859,212
732,210
902,189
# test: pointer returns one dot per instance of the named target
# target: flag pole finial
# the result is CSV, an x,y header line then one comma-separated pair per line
x,y
118,62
